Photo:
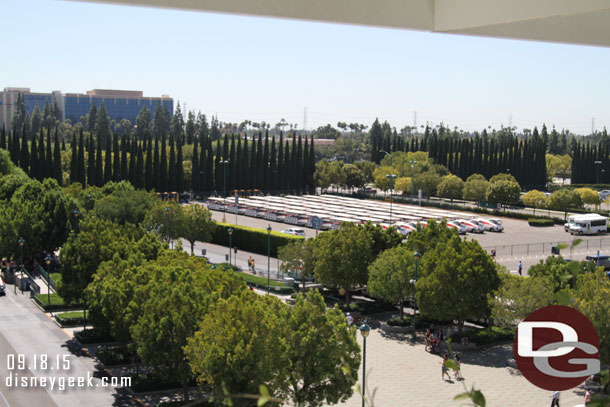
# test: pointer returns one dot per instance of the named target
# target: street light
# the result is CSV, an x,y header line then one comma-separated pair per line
x,y
364,331
224,189
76,213
391,177
230,243
21,242
268,257
383,151
48,261
598,165
416,256
167,224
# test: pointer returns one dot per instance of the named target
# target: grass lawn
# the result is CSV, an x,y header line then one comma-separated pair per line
x,y
56,277
249,278
70,315
55,299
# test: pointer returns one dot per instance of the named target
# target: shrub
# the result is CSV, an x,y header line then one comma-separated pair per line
x,y
251,239
93,335
113,356
421,322
486,336
71,318
540,222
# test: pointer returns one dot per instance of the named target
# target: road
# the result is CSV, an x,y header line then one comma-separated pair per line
x,y
25,330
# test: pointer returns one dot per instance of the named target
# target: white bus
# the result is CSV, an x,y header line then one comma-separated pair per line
x,y
589,225
572,218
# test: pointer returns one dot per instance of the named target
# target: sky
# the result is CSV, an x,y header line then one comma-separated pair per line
x,y
266,69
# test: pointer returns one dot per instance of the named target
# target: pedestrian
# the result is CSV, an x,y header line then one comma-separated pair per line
x,y
440,335
555,399
350,319
587,397
458,372
520,268
493,254
253,267
444,370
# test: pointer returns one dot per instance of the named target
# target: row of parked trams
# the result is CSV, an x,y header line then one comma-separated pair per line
x,y
333,210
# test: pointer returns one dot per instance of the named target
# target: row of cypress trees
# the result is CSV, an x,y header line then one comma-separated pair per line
x,y
590,164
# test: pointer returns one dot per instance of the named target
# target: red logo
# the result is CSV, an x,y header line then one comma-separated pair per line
x,y
556,348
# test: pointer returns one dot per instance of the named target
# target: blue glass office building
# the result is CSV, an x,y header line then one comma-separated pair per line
x,y
120,104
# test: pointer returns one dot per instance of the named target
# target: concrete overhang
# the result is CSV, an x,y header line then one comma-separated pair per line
x,y
584,22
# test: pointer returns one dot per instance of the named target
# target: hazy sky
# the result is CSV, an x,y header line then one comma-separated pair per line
x,y
266,69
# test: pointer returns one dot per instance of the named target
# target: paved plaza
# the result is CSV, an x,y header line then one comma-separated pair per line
x,y
404,374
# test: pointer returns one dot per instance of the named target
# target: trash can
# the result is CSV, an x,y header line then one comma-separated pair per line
x,y
26,285
554,250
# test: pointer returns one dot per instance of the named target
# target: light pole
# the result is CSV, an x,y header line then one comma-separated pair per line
x,y
391,177
268,257
416,256
224,189
598,165
383,151
167,224
364,331
413,177
21,242
230,243
76,213
48,261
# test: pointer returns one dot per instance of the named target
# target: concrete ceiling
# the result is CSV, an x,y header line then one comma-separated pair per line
x,y
584,22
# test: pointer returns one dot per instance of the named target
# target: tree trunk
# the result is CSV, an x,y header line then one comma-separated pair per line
x,y
402,311
192,248
185,393
460,326
347,298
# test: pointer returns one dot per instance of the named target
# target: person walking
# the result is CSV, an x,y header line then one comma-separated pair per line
x,y
587,397
555,399
520,268
458,372
444,370
350,319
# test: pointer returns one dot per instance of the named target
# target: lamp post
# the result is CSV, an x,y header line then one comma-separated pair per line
x,y
364,331
167,223
224,189
230,243
268,257
76,213
21,242
416,256
391,177
598,165
48,261
413,177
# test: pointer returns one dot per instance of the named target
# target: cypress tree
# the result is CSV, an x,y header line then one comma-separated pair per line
x,y
239,163
81,160
163,166
218,172
34,172
99,164
253,165
205,177
287,166
3,139
108,161
39,161
16,148
312,166
133,156
299,166
195,166
266,166
57,168
148,167
209,165
281,175
116,160
245,165
305,173
294,164
49,155
74,161
171,180
91,162
179,170
273,167
139,178
232,174
156,167
24,159
63,144
261,166
124,171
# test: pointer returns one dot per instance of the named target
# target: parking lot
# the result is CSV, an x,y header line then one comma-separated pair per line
x,y
518,241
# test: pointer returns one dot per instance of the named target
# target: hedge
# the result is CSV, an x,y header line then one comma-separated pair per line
x,y
251,239
540,222
71,318
486,336
93,335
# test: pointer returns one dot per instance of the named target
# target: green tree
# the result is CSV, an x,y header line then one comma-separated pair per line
x,y
35,120
457,277
125,206
475,187
534,198
591,298
92,118
426,239
322,356
342,256
403,184
451,187
198,225
390,276
353,176
381,181
564,199
588,196
561,273
503,191
297,257
428,182
230,350
102,126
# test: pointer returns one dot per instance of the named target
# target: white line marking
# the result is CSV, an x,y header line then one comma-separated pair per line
x,y
4,398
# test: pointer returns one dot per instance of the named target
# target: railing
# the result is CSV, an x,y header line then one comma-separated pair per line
x,y
527,249
47,278
34,288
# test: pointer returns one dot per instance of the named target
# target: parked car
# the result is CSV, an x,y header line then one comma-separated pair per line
x,y
604,194
2,287
294,232
472,226
455,224
493,225
600,260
